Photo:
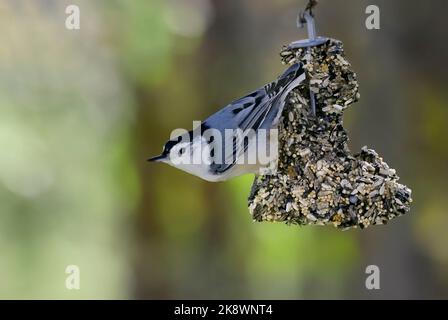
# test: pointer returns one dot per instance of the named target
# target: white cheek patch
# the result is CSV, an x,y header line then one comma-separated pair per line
x,y
200,152
180,155
205,154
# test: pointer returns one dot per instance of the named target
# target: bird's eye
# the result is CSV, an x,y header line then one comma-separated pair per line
x,y
181,151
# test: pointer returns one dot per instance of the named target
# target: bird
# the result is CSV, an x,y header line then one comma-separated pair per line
x,y
219,148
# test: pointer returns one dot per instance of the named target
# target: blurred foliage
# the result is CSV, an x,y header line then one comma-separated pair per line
x,y
80,111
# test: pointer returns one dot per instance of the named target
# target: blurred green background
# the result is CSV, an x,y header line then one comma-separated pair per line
x,y
81,111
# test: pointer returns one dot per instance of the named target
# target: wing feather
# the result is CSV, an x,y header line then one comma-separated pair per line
x,y
259,109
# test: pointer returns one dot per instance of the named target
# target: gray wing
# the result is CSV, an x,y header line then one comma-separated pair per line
x,y
260,109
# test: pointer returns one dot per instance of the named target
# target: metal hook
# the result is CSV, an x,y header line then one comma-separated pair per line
x,y
310,25
310,6
313,40
307,18
311,28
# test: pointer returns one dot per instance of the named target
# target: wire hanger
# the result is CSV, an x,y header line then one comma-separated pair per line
x,y
307,17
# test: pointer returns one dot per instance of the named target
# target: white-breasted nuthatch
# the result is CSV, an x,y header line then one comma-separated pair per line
x,y
212,154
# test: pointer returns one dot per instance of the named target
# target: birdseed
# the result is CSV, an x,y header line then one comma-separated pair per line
x,y
318,181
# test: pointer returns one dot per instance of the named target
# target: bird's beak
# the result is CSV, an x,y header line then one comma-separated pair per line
x,y
157,158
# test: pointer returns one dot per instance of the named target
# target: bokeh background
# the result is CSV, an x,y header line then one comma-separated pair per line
x,y
81,111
